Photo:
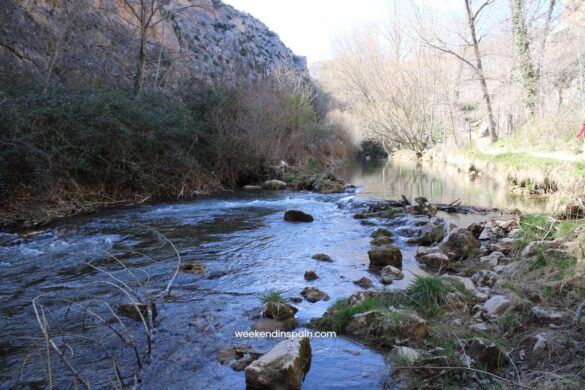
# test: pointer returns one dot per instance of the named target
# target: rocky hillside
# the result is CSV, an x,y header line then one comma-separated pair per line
x,y
90,40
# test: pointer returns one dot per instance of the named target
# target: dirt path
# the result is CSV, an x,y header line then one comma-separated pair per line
x,y
562,155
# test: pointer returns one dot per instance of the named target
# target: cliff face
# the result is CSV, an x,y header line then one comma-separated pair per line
x,y
91,40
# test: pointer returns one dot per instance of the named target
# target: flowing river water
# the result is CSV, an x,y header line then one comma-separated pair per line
x,y
247,250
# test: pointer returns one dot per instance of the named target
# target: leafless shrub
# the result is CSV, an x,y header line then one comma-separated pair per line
x,y
67,328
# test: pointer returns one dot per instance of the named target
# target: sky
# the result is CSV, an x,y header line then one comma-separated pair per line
x,y
308,26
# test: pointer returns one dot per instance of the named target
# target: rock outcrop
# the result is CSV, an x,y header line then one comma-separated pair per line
x,y
205,40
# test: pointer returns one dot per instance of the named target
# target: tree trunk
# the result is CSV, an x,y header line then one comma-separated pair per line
x,y
480,74
524,64
140,63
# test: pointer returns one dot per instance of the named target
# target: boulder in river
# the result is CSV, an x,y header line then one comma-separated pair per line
x,y
382,232
388,274
381,240
131,310
281,368
311,275
251,188
313,294
322,257
279,310
297,216
430,234
274,185
325,186
381,257
364,282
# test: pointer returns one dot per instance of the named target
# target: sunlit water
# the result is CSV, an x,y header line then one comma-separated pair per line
x,y
247,249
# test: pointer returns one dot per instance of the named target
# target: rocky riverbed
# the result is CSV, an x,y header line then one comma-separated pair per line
x,y
474,305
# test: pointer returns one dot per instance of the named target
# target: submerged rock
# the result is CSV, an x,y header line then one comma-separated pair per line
x,y
364,282
197,269
381,257
313,294
131,310
322,257
297,216
270,325
251,188
310,275
238,356
274,185
282,368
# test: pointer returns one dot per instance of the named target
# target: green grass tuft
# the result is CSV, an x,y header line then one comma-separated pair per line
x,y
273,296
430,292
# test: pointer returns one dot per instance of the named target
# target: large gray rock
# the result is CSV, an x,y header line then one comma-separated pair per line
x,y
313,294
381,257
281,368
274,185
460,245
388,274
433,258
430,234
497,304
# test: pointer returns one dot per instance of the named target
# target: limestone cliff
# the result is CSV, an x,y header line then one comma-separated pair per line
x,y
85,41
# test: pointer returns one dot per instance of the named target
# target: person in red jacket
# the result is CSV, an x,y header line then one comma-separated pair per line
x,y
581,133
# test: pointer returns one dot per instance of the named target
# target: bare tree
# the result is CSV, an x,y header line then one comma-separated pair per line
x,y
476,65
145,15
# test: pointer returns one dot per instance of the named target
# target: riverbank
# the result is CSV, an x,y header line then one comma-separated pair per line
x,y
559,180
498,304
24,212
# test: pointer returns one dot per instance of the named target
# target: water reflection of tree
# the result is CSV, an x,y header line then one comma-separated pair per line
x,y
439,182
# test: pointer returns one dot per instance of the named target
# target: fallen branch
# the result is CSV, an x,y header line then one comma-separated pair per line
x,y
476,370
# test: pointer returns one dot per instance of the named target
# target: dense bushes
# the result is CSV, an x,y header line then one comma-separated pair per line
x,y
372,148
107,144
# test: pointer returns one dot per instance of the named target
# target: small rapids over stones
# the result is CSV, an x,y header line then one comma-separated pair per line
x,y
234,250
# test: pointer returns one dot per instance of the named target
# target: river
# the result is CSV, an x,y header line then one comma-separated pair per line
x,y
247,249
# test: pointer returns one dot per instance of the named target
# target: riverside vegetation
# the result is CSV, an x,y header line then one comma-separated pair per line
x,y
500,304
